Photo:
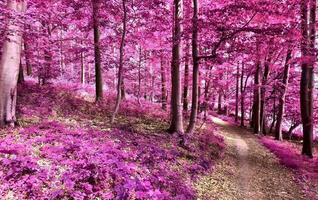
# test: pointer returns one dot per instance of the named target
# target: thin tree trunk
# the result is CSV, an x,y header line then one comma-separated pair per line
x,y
195,74
139,75
257,98
263,93
27,58
307,75
237,92
291,129
176,124
83,70
21,73
163,85
220,102
9,66
274,112
242,97
281,107
98,71
186,80
121,64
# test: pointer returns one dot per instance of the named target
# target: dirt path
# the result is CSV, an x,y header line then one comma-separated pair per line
x,y
248,171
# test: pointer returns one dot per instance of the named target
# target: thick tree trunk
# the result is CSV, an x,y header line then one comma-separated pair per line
x,y
9,66
163,85
281,107
120,86
176,124
97,53
237,92
195,74
186,81
307,74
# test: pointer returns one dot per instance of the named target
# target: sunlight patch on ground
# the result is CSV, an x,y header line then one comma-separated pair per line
x,y
219,121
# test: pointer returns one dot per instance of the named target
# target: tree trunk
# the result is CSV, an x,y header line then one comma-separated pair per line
x,y
176,124
263,94
220,102
120,86
237,92
291,129
98,71
257,98
83,71
163,85
307,75
242,96
9,66
21,73
139,75
281,107
186,81
27,58
195,75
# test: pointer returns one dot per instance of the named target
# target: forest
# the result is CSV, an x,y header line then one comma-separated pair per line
x,y
158,99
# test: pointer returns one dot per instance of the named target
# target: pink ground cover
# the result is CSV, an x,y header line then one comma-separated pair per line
x,y
46,158
306,170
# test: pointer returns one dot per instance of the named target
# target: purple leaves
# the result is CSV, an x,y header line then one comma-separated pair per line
x,y
51,159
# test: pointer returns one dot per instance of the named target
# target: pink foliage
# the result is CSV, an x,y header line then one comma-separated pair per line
x,y
53,160
305,169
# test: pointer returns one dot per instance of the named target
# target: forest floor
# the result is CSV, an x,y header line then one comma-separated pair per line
x,y
65,148
247,171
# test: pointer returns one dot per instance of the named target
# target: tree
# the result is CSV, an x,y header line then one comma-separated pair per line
x,y
186,80
256,119
9,64
195,73
120,82
98,71
307,74
281,106
176,124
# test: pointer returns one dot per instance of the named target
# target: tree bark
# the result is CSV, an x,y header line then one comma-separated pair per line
x,y
21,73
281,107
139,75
83,70
9,66
307,75
237,92
257,98
27,57
186,81
176,124
195,74
242,97
163,85
97,53
121,63
263,94
220,102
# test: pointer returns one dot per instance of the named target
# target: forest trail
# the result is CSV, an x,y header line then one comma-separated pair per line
x,y
248,171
